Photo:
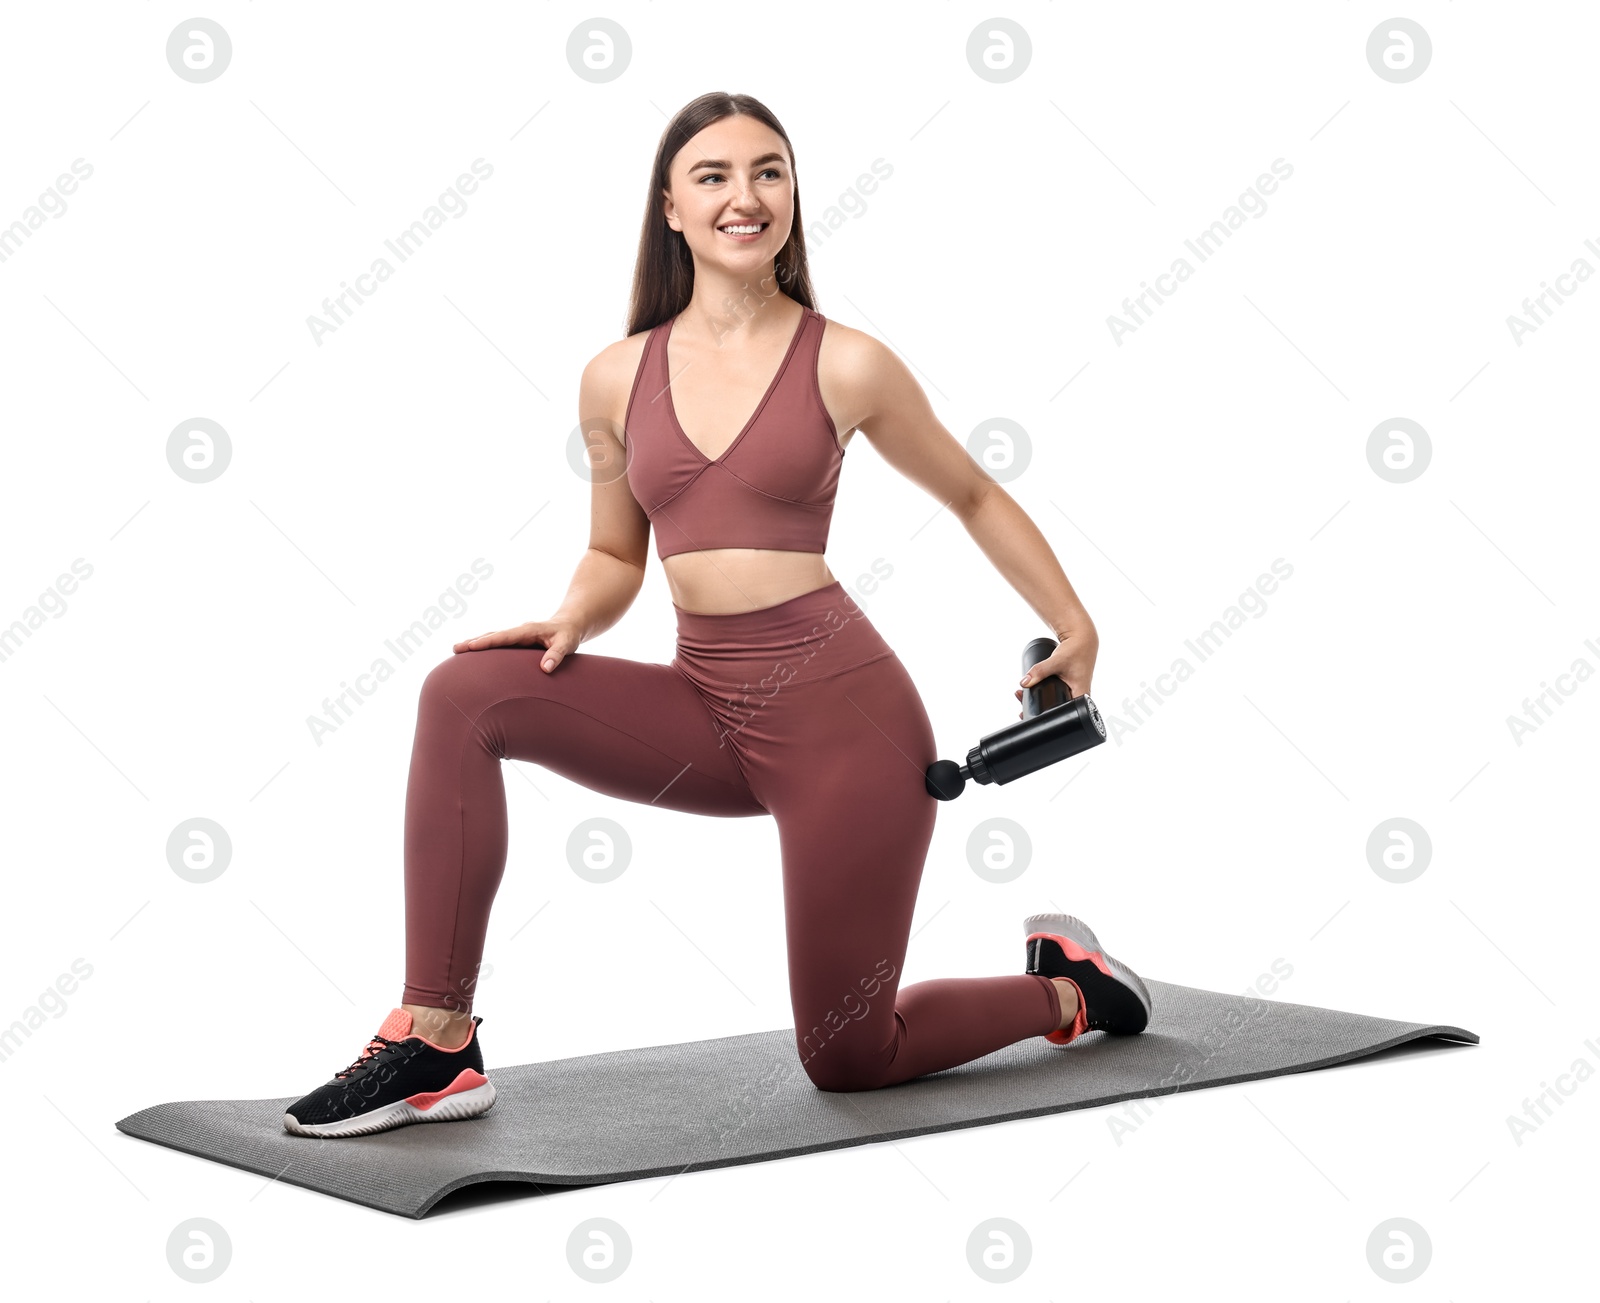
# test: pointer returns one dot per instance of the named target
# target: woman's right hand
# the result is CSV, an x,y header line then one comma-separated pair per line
x,y
558,636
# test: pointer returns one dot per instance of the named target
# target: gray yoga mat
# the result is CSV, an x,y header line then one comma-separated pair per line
x,y
669,1109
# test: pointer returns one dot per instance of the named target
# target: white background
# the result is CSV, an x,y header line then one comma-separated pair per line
x,y
1225,833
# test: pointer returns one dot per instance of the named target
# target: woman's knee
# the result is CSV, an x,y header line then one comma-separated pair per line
x,y
449,675
459,696
847,1032
841,1077
475,676
841,1065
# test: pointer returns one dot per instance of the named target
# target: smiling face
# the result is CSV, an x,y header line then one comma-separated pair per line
x,y
731,193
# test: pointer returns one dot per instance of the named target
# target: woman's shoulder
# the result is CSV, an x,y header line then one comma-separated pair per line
x,y
844,339
610,373
852,358
619,355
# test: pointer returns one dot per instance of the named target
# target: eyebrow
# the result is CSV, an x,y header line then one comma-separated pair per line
x,y
724,165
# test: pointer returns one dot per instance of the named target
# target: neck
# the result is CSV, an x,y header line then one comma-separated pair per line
x,y
723,306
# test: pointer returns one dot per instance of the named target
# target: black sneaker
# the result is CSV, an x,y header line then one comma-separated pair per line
x,y
399,1078
1113,997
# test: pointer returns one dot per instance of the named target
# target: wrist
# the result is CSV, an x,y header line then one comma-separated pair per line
x,y
1074,624
580,628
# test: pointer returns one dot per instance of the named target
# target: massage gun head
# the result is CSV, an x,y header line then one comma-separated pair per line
x,y
945,779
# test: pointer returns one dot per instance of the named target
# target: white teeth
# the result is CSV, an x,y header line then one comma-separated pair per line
x,y
741,230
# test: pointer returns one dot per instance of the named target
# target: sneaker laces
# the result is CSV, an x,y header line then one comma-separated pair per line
x,y
376,1046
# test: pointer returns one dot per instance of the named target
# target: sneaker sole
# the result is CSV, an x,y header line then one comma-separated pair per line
x,y
465,1104
1107,984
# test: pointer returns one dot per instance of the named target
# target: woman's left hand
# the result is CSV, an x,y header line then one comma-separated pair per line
x,y
1073,660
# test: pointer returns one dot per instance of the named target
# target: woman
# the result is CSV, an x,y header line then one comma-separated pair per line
x,y
722,431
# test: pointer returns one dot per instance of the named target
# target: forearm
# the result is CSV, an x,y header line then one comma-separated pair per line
x,y
1017,549
602,589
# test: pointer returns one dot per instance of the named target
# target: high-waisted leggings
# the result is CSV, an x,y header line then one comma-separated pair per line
x,y
799,710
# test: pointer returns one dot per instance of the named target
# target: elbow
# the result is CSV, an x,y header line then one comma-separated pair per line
x,y
635,563
978,491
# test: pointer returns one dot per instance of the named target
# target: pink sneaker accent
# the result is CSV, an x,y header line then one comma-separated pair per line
x,y
466,1080
397,1026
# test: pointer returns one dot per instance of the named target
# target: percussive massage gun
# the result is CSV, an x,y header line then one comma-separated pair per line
x,y
1052,728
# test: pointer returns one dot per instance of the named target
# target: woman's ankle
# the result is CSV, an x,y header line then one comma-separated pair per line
x,y
449,1028
1068,994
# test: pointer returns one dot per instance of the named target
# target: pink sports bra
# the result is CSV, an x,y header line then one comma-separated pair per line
x,y
774,485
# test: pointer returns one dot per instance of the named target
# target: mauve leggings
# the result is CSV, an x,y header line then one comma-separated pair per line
x,y
800,710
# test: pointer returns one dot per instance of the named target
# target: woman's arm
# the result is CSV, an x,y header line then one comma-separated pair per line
x,y
611,571
602,589
895,415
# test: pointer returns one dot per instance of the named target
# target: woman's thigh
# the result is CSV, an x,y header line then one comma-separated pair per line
x,y
635,730
854,821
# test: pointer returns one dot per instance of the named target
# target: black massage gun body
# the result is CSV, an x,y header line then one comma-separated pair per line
x,y
1053,727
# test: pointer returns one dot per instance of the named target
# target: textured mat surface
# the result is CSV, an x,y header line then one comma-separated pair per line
x,y
666,1109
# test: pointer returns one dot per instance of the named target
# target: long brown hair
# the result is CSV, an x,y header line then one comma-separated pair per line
x,y
663,274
